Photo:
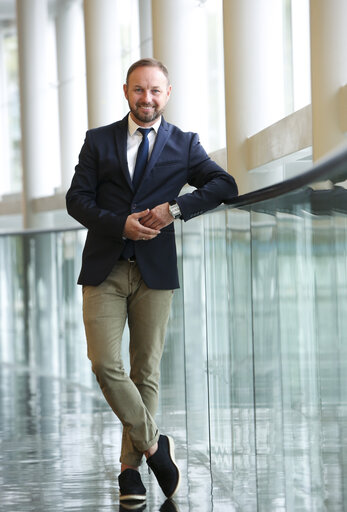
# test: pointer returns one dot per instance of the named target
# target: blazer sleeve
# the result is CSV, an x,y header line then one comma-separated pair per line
x,y
81,197
213,185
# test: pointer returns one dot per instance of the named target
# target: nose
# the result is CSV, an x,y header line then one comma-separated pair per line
x,y
146,96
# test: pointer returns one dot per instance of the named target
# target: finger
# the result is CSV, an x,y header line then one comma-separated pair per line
x,y
148,222
148,234
157,225
145,219
138,215
153,224
147,237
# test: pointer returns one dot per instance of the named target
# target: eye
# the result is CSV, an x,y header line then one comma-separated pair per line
x,y
156,91
138,89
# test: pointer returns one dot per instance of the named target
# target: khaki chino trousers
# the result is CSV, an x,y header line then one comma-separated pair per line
x,y
133,398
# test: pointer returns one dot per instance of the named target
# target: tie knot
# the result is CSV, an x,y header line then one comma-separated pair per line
x,y
144,131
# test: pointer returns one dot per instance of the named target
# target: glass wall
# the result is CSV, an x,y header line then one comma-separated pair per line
x,y
254,371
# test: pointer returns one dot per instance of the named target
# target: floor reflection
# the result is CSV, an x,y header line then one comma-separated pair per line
x,y
60,445
59,450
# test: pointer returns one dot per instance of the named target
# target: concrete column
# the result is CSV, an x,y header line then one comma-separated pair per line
x,y
32,46
72,93
146,40
103,57
177,42
328,72
238,100
253,68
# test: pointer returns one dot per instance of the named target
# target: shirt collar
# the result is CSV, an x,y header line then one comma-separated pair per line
x,y
132,126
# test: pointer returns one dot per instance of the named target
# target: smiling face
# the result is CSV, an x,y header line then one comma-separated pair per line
x,y
147,92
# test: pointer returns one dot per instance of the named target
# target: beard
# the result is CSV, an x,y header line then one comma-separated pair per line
x,y
143,116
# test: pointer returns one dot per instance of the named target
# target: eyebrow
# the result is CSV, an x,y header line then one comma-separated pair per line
x,y
152,87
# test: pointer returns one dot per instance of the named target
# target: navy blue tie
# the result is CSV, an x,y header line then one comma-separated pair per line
x,y
140,165
142,157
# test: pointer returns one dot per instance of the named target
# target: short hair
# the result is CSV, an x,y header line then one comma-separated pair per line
x,y
154,63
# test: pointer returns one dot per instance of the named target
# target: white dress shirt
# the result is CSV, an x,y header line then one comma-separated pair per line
x,y
134,140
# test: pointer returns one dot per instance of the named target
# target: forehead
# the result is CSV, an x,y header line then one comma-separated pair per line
x,y
149,76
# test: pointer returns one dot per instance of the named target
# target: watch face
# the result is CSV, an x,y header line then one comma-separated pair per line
x,y
174,210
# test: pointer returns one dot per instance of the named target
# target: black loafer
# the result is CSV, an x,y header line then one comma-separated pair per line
x,y
164,466
131,488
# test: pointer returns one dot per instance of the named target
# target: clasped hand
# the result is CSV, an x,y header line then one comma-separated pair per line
x,y
147,224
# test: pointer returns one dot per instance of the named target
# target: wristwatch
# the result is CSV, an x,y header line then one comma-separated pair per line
x,y
174,209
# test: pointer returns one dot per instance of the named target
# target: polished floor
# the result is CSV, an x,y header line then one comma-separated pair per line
x,y
59,446
59,452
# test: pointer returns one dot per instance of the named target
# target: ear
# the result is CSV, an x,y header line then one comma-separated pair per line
x,y
125,90
168,92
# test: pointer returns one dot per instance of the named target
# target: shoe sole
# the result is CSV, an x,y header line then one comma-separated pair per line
x,y
132,506
132,497
172,457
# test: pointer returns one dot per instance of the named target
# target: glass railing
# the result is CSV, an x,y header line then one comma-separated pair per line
x,y
254,372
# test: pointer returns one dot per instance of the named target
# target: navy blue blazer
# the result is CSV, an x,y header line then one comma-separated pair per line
x,y
101,197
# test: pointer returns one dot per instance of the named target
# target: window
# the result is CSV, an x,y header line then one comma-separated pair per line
x,y
10,113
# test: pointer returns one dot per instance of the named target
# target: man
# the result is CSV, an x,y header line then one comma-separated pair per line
x,y
126,192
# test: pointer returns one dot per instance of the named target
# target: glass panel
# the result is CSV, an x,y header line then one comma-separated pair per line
x,y
219,356
198,435
13,300
172,368
267,368
299,274
243,482
329,240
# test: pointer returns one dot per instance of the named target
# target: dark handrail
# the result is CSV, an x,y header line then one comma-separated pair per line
x,y
333,168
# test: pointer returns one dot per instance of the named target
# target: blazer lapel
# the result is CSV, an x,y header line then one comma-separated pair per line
x,y
120,135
